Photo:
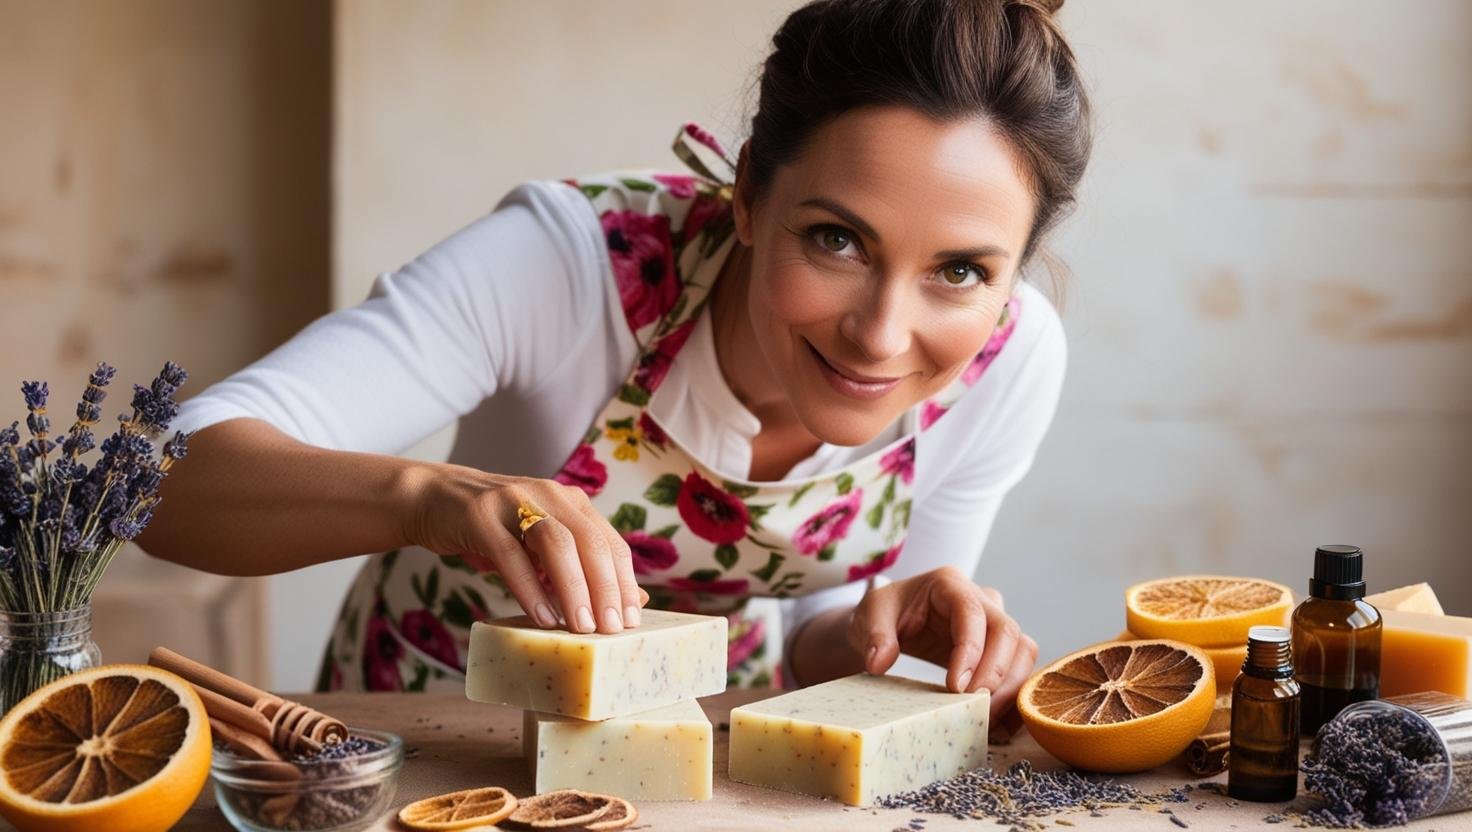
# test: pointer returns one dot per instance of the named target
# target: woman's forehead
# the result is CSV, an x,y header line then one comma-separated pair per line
x,y
900,171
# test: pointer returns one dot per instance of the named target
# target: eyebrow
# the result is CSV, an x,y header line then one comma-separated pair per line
x,y
868,231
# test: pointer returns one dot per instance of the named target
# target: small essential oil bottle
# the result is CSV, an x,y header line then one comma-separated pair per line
x,y
1336,638
1263,762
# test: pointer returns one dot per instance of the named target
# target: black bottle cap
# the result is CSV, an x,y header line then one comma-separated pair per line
x,y
1338,573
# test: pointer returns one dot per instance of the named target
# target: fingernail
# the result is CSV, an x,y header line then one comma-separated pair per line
x,y
544,615
965,678
585,620
612,621
631,616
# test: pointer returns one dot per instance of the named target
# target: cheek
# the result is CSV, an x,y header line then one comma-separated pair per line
x,y
951,338
791,297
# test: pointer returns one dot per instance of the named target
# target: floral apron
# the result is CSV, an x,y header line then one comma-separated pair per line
x,y
701,542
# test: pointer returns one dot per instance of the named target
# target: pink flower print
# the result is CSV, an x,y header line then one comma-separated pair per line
x,y
900,461
654,365
735,586
710,512
746,636
929,413
703,211
381,654
829,525
653,433
584,470
651,552
878,563
994,344
700,134
680,185
640,247
423,630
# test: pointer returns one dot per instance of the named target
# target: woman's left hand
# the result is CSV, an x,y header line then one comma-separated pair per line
x,y
942,616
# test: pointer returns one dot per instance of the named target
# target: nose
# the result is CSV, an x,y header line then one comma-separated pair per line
x,y
880,325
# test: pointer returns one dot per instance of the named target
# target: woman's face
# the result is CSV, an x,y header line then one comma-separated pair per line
x,y
881,259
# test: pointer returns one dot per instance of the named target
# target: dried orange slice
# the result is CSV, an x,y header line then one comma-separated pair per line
x,y
566,809
1205,610
1122,706
620,813
485,806
120,747
1226,662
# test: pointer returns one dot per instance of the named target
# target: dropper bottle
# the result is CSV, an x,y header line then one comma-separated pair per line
x,y
1263,761
1336,638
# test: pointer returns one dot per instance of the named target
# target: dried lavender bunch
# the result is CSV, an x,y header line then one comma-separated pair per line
x,y
61,522
1382,770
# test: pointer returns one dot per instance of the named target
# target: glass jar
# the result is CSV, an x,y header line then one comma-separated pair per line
x,y
37,648
1418,748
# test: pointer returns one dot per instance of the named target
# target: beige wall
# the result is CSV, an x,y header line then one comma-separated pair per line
x,y
163,195
1271,314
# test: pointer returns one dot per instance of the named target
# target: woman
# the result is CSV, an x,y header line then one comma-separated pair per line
x,y
815,383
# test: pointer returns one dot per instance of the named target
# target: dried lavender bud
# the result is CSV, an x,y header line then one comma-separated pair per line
x,y
36,393
124,529
177,447
313,806
1383,769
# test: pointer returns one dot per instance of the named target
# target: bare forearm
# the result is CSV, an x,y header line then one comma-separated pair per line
x,y
821,651
249,500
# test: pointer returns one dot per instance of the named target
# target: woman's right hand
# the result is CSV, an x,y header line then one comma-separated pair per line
x,y
455,510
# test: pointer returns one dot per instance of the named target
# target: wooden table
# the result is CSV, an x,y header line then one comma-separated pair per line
x,y
461,744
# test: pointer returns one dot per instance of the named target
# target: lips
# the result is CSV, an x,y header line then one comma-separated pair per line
x,y
850,383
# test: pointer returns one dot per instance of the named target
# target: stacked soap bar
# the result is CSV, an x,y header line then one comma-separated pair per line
x,y
859,738
663,754
1420,648
608,712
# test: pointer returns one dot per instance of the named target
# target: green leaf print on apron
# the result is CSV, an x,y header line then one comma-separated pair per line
x,y
701,541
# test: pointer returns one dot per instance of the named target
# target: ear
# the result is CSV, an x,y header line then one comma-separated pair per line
x,y
742,200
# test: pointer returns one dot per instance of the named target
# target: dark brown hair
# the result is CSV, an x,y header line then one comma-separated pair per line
x,y
1002,60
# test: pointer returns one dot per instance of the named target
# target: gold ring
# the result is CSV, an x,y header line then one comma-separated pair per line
x,y
528,515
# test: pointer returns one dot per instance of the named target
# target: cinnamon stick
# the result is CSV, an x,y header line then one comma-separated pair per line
x,y
1207,754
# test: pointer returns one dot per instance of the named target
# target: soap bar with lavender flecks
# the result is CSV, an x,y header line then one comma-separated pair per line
x,y
669,657
859,738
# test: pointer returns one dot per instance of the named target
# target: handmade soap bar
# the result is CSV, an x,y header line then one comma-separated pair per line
x,y
1420,651
859,738
1413,598
663,754
669,657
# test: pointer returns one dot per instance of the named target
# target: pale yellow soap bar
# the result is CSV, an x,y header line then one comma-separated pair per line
x,y
1414,598
663,754
859,738
668,658
1421,651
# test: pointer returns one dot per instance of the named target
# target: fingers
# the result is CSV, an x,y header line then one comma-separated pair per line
x,y
622,560
556,548
873,629
1002,638
514,564
1003,696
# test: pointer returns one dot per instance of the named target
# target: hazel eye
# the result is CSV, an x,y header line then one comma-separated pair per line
x,y
958,274
834,239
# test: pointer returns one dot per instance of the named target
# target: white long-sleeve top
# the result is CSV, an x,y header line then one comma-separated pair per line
x,y
513,327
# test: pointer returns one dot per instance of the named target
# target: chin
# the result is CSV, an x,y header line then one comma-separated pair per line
x,y
838,424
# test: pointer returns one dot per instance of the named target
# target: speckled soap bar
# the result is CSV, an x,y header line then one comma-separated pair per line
x,y
669,657
663,754
859,738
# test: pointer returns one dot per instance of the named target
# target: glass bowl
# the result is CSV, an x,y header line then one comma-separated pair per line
x,y
322,795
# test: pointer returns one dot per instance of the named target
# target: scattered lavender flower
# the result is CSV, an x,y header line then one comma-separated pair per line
x,y
1382,770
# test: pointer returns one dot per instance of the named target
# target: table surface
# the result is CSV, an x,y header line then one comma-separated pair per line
x,y
462,744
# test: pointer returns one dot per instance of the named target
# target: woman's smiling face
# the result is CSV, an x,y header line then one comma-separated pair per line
x,y
881,259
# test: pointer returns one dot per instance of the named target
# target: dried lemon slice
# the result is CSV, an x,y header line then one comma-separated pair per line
x,y
485,806
568,808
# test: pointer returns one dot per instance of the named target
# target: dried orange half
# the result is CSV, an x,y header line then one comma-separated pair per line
x,y
120,747
485,806
1121,706
1205,610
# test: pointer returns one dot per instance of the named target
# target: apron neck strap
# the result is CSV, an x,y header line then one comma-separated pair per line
x,y
691,137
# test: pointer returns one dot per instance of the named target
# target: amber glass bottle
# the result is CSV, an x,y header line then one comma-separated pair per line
x,y
1336,638
1263,763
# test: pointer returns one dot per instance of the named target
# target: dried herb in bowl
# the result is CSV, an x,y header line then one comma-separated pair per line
x,y
347,785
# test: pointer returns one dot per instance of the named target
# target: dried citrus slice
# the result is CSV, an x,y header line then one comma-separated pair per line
x,y
485,806
1121,706
1226,662
120,747
1205,610
563,809
620,813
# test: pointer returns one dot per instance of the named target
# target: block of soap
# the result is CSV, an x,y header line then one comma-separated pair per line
x,y
1421,651
1414,598
663,754
859,738
668,658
